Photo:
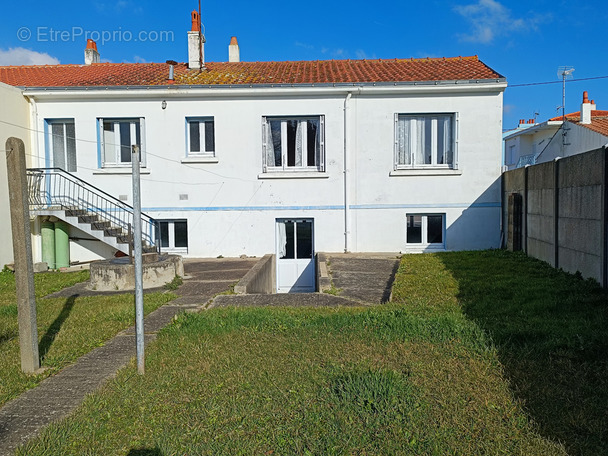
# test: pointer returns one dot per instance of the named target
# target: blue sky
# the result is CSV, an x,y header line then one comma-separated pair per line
x,y
524,41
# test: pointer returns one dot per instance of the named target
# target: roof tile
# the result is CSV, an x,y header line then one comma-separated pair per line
x,y
241,73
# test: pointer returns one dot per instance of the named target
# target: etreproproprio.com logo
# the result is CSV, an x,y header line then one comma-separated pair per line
x,y
49,34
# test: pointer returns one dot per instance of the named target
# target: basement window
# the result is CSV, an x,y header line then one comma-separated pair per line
x,y
425,231
173,235
200,133
117,136
294,144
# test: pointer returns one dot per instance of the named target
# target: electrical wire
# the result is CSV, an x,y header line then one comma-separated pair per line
x,y
556,82
144,151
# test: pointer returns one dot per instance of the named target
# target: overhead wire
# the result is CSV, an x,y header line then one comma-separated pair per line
x,y
144,151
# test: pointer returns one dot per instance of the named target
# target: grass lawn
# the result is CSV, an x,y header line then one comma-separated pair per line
x,y
67,327
437,372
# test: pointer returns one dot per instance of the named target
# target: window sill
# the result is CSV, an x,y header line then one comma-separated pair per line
x,y
294,175
426,172
115,171
200,160
421,248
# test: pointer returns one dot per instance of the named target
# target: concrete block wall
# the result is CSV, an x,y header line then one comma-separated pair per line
x,y
581,184
540,214
565,204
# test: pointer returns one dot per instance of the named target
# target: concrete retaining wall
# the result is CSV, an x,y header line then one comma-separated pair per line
x,y
115,275
260,279
565,204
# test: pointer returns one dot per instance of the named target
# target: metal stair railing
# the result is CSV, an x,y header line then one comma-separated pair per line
x,y
55,188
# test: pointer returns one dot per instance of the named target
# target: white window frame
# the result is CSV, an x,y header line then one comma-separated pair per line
x,y
424,244
202,132
268,146
51,143
171,231
412,142
111,153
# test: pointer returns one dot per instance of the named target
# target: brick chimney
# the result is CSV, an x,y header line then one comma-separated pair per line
x,y
90,53
234,54
196,56
586,108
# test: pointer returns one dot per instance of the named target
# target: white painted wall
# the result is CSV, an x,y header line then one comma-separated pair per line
x,y
532,140
14,110
579,139
232,207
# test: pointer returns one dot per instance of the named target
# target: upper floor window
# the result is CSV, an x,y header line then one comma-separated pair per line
x,y
294,143
62,144
201,137
117,136
425,141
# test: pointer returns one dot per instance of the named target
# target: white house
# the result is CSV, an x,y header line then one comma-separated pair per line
x,y
280,157
581,132
557,137
525,143
14,122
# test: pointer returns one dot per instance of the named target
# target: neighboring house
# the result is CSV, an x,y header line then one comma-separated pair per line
x,y
581,132
14,122
557,137
524,144
523,125
281,157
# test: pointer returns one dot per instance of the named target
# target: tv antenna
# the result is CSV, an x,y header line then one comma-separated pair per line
x,y
564,72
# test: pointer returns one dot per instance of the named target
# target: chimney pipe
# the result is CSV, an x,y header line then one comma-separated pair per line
x,y
234,53
90,53
196,44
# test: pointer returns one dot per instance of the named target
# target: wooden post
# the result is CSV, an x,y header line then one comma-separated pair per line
x,y
22,249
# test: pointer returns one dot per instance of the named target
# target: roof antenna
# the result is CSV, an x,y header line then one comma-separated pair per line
x,y
200,39
564,72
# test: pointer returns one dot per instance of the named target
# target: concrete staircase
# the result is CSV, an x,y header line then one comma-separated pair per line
x,y
56,193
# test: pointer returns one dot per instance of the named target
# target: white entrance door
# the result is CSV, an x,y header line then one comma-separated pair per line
x,y
295,256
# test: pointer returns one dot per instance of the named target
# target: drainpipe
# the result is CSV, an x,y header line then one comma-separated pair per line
x,y
346,176
34,161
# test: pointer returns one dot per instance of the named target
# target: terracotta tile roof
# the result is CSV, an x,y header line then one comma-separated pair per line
x,y
598,124
245,73
599,121
576,116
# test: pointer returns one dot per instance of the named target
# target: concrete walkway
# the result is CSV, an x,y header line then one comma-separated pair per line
x,y
358,278
57,396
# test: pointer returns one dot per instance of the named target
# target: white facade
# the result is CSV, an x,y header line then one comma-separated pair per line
x,y
14,122
523,146
578,139
231,205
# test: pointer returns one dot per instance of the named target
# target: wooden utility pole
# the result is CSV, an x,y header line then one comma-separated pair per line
x,y
22,250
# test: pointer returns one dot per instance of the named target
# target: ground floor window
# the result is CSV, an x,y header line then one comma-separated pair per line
x,y
425,230
173,235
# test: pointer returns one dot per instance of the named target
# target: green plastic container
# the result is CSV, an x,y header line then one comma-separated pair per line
x,y
62,245
47,231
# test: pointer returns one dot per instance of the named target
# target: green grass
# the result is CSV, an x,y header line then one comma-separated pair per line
x,y
551,333
67,327
420,376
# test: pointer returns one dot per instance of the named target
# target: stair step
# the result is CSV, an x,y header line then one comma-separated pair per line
x,y
115,232
88,218
75,212
100,225
125,239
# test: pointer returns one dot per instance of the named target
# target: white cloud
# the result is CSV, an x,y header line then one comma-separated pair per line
x,y
22,56
489,19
